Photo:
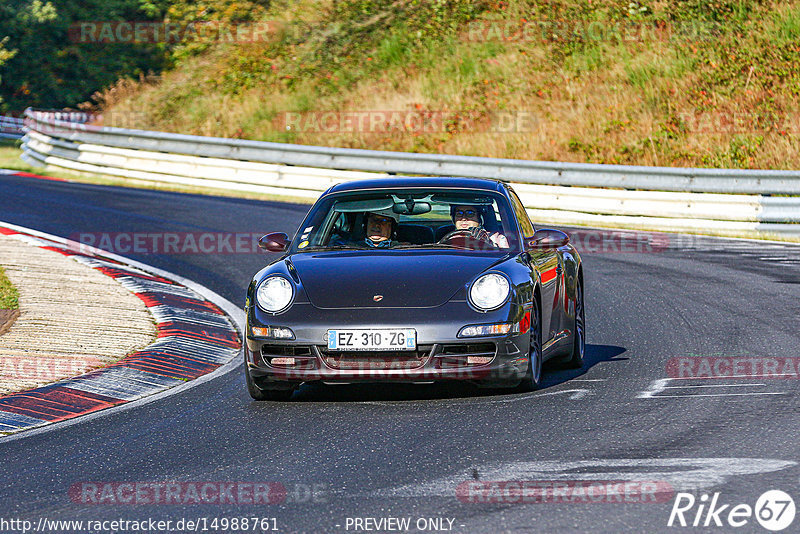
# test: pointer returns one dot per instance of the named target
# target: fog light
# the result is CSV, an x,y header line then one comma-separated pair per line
x,y
274,332
485,330
279,332
478,360
282,361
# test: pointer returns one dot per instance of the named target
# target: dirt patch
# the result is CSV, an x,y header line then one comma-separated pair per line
x,y
91,327
7,318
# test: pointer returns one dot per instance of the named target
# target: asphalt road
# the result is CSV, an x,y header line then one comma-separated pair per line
x,y
355,452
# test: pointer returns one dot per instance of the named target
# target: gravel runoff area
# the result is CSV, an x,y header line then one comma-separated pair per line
x,y
72,318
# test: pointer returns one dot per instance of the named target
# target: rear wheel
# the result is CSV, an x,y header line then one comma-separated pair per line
x,y
265,394
533,377
579,332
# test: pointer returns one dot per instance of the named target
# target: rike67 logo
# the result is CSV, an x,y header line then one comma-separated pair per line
x,y
774,510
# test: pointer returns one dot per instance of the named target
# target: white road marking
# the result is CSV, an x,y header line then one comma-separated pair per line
x,y
140,285
660,385
656,386
166,314
780,253
576,394
588,380
123,383
714,386
683,474
718,395
724,377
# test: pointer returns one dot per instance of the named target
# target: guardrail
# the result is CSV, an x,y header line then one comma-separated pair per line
x,y
10,127
697,200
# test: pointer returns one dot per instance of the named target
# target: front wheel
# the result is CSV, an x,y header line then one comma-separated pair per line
x,y
265,394
577,358
533,377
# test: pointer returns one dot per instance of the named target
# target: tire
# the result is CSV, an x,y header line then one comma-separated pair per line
x,y
577,358
265,394
533,377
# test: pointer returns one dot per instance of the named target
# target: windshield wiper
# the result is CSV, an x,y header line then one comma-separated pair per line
x,y
430,245
335,247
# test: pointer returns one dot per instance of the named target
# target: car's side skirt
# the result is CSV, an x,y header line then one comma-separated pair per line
x,y
557,345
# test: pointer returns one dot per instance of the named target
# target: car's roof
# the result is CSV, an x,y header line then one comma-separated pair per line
x,y
397,182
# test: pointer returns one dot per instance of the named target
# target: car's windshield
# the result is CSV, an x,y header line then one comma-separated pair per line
x,y
410,219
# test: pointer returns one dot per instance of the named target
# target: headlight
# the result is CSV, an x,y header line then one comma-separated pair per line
x,y
274,294
489,291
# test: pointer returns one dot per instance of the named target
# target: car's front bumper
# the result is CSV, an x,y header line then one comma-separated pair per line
x,y
494,361
506,364
441,355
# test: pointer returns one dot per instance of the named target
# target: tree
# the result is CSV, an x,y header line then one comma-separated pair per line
x,y
52,66
5,55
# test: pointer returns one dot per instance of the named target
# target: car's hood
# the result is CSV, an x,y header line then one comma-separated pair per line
x,y
420,279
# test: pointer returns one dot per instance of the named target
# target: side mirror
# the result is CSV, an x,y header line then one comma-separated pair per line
x,y
547,238
276,242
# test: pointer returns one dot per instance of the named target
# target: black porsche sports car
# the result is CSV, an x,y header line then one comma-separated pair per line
x,y
414,280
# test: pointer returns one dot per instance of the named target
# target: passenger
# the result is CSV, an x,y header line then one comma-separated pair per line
x,y
467,217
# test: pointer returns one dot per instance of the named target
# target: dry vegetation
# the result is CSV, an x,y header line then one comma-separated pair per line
x,y
692,82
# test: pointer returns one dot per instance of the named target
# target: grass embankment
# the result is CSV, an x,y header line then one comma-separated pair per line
x,y
662,82
9,156
9,297
10,159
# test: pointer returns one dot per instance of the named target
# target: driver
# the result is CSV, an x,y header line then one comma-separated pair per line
x,y
381,230
468,218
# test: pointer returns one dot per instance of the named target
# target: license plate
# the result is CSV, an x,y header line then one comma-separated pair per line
x,y
378,339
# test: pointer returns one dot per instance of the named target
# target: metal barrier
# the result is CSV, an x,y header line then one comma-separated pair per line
x,y
674,199
10,127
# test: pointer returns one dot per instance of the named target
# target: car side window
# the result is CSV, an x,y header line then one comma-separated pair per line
x,y
522,216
